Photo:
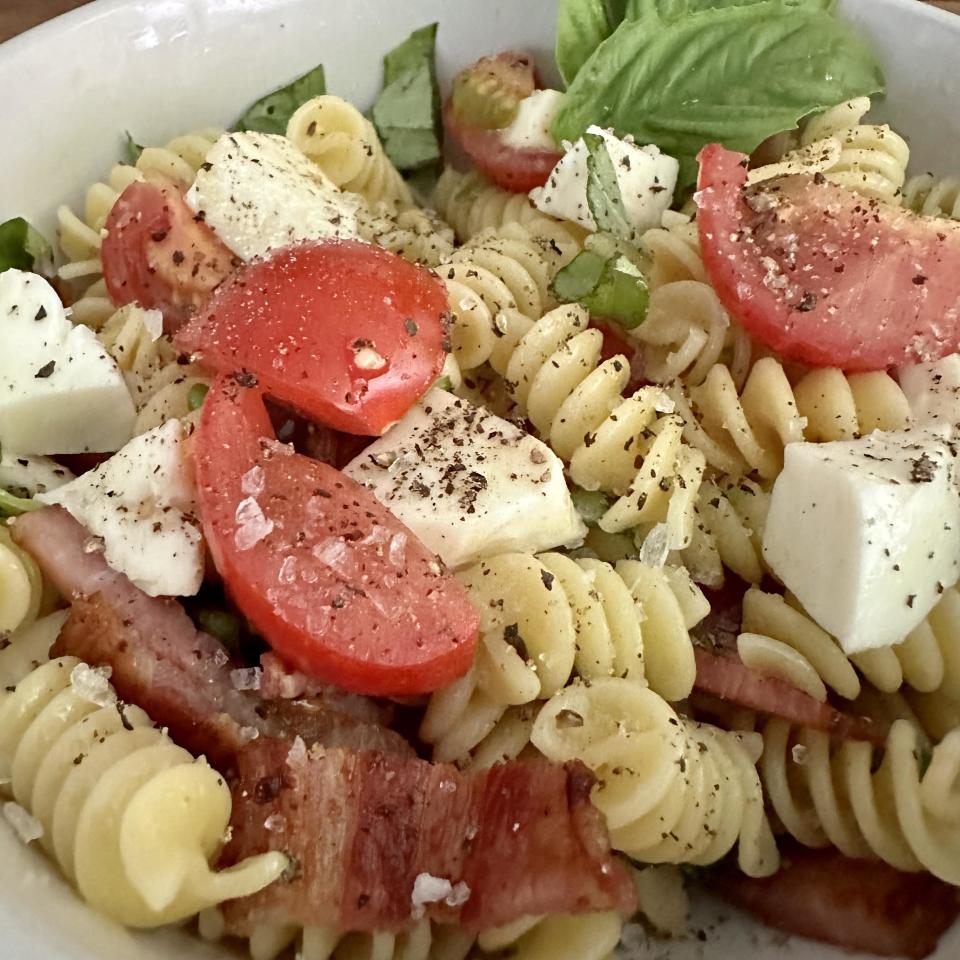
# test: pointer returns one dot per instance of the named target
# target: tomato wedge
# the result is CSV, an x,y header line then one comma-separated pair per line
x,y
337,586
347,333
158,254
823,275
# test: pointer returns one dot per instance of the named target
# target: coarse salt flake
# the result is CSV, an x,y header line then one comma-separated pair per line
x,y
92,684
245,678
252,525
26,826
430,889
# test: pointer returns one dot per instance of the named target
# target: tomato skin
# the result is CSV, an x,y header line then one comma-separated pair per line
x,y
510,168
343,331
338,587
825,276
158,254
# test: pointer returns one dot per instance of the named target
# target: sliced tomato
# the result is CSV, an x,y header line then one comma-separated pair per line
x,y
347,333
159,254
823,275
338,587
511,168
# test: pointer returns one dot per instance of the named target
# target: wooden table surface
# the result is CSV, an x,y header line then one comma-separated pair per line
x,y
19,15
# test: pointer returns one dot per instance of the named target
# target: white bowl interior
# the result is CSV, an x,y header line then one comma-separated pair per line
x,y
161,67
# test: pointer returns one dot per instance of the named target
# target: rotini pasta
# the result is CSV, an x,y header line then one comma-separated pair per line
x,y
21,586
28,648
337,137
783,640
673,252
132,819
740,432
827,793
672,790
933,196
545,618
415,234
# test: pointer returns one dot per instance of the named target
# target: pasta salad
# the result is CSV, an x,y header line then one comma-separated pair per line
x,y
463,527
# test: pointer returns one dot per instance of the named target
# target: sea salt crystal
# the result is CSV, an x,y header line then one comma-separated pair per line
x,y
397,551
655,547
153,323
27,826
663,403
297,753
92,684
799,754
430,889
247,734
275,822
252,525
288,570
254,481
245,678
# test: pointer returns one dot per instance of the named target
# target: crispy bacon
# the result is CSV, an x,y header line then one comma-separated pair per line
x,y
729,679
522,837
182,677
855,904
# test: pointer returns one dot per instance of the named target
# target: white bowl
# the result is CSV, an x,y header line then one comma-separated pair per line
x,y
161,67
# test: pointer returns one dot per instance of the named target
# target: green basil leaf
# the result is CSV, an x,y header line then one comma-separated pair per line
x,y
407,111
271,113
13,506
590,504
131,149
612,288
22,247
582,25
735,74
670,10
603,191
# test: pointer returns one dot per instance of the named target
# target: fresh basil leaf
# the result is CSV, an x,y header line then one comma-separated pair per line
x,y
590,504
603,191
736,75
131,149
22,247
582,25
612,288
271,113
670,10
407,111
13,506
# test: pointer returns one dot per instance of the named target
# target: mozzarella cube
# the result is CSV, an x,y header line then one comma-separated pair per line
x,y
646,178
60,391
468,483
866,533
531,127
142,504
933,391
26,476
258,192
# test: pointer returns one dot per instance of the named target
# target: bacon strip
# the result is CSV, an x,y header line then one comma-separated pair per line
x,y
523,838
160,661
731,680
855,904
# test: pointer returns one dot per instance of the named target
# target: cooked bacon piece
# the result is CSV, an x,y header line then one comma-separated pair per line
x,y
522,837
727,678
182,677
855,904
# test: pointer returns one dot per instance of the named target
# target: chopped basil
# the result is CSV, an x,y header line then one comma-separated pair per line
x,y
407,111
23,248
221,625
582,25
13,506
271,113
613,288
590,504
682,75
603,191
196,395
131,149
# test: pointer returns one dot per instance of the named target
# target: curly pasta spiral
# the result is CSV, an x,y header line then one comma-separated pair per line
x,y
28,648
415,234
471,205
672,790
747,430
826,793
544,618
133,820
673,251
21,586
337,137
932,196
782,639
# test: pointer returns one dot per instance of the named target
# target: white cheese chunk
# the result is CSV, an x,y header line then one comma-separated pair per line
x,y
60,391
531,127
933,391
646,178
469,484
866,533
258,193
142,504
25,476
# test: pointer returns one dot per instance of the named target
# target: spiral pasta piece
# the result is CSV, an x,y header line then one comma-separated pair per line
x,y
738,432
672,790
27,648
933,196
132,819
415,234
827,793
673,251
544,619
21,586
785,641
340,140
